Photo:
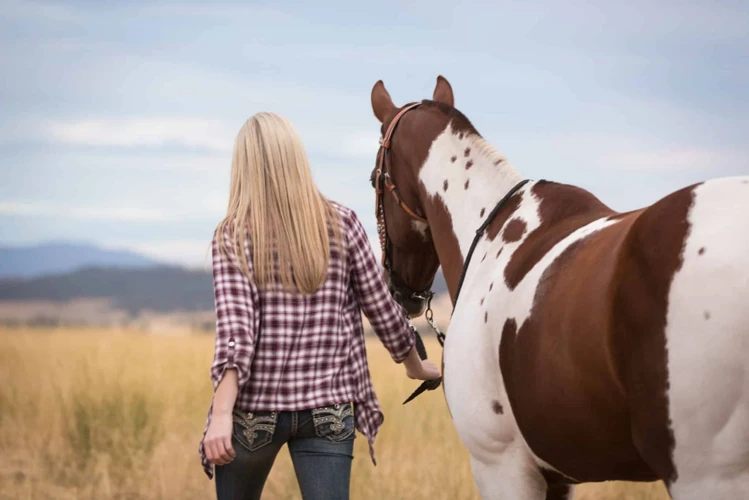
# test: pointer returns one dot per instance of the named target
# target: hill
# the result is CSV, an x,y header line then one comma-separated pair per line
x,y
160,289
63,257
163,288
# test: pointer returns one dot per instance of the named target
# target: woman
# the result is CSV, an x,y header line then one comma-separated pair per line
x,y
292,271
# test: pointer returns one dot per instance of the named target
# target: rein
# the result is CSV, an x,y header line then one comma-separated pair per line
x,y
480,232
383,183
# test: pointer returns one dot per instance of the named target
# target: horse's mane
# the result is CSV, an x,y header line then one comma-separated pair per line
x,y
461,123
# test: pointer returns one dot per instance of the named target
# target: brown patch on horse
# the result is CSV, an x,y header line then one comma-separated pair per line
x,y
483,211
497,407
445,185
701,251
504,214
468,181
469,164
482,301
654,253
598,325
563,209
563,345
514,231
467,152
499,252
441,229
486,316
453,159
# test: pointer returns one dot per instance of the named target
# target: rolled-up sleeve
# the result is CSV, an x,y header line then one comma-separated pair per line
x,y
235,298
387,317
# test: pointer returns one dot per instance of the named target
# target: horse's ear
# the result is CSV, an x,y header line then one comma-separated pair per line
x,y
382,103
443,92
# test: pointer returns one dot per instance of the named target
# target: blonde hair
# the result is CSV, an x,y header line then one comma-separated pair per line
x,y
273,200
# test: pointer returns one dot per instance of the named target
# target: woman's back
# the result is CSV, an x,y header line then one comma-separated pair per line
x,y
306,350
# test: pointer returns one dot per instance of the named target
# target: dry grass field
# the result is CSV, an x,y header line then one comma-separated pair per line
x,y
118,415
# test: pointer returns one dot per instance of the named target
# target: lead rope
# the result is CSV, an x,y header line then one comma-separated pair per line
x,y
429,315
427,385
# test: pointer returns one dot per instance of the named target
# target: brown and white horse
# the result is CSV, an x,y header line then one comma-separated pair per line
x,y
586,345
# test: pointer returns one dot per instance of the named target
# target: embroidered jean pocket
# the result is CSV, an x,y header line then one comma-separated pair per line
x,y
334,423
254,430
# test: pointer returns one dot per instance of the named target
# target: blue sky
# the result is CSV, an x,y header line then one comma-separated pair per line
x,y
117,118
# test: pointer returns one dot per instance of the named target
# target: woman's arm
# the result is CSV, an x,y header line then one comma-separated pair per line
x,y
385,315
217,441
235,345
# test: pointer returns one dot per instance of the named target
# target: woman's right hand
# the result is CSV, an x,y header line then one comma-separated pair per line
x,y
419,369
426,371
217,441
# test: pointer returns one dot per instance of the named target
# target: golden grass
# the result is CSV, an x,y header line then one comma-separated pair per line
x,y
118,415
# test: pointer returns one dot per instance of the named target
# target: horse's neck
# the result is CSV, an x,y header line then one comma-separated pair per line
x,y
465,177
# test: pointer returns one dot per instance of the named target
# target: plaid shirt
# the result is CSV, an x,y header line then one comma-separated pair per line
x,y
294,352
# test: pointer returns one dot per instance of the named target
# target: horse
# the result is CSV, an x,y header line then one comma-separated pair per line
x,y
586,345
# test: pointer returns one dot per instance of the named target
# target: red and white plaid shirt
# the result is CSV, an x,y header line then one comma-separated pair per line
x,y
294,352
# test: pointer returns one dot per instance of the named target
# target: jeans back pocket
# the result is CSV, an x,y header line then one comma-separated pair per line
x,y
254,430
335,423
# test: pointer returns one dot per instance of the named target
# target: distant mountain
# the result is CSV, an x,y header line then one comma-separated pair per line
x,y
162,289
59,258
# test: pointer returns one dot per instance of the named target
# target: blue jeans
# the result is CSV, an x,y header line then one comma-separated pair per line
x,y
321,444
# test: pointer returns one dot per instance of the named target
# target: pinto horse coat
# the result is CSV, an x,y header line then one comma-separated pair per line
x,y
586,344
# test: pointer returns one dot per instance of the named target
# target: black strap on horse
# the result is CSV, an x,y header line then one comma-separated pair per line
x,y
480,233
430,385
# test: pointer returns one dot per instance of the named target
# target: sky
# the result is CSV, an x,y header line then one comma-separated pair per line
x,y
117,119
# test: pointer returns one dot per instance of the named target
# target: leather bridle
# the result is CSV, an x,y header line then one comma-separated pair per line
x,y
383,183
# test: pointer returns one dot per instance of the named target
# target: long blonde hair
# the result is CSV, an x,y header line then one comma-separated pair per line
x,y
273,200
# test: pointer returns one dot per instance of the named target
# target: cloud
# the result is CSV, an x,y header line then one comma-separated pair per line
x,y
193,253
637,153
212,135
42,11
81,212
676,159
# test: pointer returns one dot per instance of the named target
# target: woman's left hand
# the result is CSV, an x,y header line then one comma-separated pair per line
x,y
217,442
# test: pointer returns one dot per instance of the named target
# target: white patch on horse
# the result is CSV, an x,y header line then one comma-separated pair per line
x,y
488,182
707,353
420,227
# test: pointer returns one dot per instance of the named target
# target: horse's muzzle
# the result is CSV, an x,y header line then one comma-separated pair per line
x,y
415,303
